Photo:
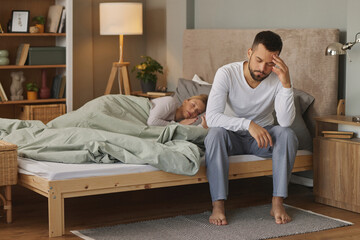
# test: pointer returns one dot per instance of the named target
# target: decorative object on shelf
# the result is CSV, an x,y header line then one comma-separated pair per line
x,y
44,90
146,73
62,93
20,21
58,83
4,60
1,29
356,119
8,26
34,29
16,87
32,90
340,49
120,19
340,110
53,19
3,96
55,55
22,54
161,89
39,23
62,24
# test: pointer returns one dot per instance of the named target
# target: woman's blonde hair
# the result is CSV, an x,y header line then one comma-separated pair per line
x,y
201,97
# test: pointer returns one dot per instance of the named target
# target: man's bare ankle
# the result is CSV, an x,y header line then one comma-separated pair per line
x,y
218,203
277,200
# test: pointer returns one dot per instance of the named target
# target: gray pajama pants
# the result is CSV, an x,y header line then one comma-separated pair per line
x,y
221,143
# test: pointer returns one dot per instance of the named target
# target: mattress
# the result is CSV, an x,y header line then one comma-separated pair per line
x,y
62,171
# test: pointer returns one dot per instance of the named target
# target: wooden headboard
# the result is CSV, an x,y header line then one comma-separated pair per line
x,y
205,50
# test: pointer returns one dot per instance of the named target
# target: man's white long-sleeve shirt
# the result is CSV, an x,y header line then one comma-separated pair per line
x,y
247,104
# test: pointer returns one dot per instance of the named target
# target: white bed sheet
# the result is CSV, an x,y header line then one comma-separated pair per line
x,y
62,171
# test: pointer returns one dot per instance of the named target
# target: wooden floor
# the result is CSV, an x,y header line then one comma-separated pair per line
x,y
30,209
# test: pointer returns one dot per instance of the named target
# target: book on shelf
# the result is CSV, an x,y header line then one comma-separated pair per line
x,y
22,54
159,93
3,94
55,88
62,87
337,134
53,19
62,23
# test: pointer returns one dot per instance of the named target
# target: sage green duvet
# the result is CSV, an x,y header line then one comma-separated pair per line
x,y
109,129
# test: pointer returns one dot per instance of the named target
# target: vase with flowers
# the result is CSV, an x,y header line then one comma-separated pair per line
x,y
146,73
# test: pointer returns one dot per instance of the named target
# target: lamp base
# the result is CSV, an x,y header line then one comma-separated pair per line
x,y
124,82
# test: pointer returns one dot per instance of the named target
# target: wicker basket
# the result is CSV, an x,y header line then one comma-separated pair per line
x,y
8,163
44,113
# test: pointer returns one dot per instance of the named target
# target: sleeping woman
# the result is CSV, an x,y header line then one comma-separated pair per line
x,y
166,110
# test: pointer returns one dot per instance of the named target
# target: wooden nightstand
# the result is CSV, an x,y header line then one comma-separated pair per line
x,y
8,175
141,94
336,165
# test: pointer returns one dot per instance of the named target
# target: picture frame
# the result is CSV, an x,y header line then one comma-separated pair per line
x,y
20,21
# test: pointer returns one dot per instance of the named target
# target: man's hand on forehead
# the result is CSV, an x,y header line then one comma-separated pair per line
x,y
282,71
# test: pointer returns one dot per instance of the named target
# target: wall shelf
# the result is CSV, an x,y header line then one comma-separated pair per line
x,y
32,34
32,66
50,100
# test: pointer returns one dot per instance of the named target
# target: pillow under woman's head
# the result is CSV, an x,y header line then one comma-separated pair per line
x,y
187,88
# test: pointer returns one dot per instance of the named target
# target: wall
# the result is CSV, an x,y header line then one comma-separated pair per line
x,y
83,79
352,68
175,26
155,35
270,14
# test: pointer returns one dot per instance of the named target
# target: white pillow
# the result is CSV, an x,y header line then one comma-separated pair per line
x,y
198,80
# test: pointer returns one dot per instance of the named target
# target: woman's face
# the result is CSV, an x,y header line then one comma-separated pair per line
x,y
192,108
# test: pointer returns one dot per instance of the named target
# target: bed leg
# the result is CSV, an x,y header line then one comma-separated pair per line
x,y
56,214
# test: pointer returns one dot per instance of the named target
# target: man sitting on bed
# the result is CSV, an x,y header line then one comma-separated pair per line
x,y
252,89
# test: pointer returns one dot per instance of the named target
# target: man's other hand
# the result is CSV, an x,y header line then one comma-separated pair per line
x,y
260,134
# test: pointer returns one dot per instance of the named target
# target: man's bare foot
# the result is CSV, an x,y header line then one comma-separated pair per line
x,y
278,211
218,214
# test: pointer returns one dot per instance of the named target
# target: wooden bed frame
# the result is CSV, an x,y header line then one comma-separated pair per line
x,y
204,51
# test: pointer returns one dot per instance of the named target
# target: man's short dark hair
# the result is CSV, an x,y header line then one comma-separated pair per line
x,y
269,39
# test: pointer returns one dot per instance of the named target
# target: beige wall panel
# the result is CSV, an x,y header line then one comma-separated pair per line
x,y
155,26
82,53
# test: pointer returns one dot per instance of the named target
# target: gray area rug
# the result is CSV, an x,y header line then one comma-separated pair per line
x,y
244,223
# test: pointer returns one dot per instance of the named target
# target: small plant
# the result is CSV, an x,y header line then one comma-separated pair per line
x,y
32,87
39,19
146,71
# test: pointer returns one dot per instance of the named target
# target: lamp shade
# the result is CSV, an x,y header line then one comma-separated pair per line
x,y
121,18
335,49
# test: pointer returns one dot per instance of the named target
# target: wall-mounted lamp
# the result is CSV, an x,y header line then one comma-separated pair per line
x,y
340,49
